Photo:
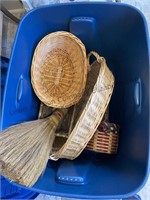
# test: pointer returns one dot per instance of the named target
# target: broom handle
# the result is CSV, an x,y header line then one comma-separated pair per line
x,y
57,116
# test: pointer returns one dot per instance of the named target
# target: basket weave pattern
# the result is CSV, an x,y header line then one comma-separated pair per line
x,y
105,139
103,143
59,69
92,107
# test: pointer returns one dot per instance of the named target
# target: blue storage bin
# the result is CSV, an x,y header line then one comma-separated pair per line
x,y
119,33
9,191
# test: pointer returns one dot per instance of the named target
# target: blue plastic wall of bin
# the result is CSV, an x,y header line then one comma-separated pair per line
x,y
7,190
119,33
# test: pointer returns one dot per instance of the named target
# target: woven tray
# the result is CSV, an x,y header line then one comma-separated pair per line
x,y
105,139
89,111
59,69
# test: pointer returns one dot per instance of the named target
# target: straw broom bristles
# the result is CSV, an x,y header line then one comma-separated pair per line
x,y
25,148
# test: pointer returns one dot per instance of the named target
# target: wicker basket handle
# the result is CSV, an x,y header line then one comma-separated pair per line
x,y
97,56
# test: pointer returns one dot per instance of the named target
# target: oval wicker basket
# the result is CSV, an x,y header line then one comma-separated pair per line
x,y
89,111
59,69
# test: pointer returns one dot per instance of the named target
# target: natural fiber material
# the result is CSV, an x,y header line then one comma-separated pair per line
x,y
59,69
45,111
105,139
25,148
89,111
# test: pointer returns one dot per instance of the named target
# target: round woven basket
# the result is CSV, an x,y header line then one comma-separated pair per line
x,y
88,112
59,69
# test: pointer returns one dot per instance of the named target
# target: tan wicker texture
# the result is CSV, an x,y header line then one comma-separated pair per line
x,y
89,111
105,139
59,69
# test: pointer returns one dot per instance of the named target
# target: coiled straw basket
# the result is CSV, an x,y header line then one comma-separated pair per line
x,y
59,69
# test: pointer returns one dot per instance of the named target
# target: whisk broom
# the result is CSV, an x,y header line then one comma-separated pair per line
x,y
25,148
